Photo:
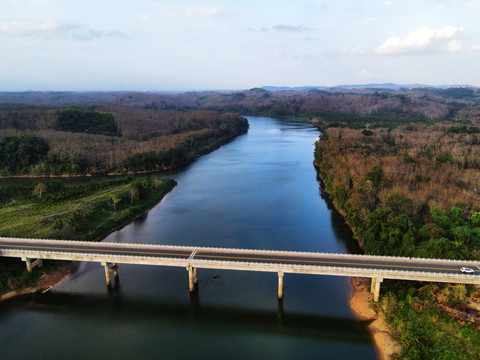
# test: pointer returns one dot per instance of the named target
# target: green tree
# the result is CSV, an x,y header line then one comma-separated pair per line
x,y
456,250
19,152
39,189
370,233
91,122
115,199
375,176
475,219
134,190
399,204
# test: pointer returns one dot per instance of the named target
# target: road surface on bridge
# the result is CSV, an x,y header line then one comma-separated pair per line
x,y
265,257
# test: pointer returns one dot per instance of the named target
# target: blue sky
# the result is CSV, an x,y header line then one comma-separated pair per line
x,y
193,45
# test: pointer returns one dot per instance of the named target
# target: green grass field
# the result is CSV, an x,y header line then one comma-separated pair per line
x,y
82,212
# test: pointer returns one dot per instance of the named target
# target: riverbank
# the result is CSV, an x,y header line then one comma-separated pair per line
x,y
66,176
84,212
80,212
46,282
361,304
57,275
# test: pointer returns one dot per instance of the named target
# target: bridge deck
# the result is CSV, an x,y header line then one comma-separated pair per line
x,y
240,259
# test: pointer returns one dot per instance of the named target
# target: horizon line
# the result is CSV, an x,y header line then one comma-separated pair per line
x,y
299,87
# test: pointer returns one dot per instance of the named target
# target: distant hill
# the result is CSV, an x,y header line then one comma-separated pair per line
x,y
296,88
390,86
358,105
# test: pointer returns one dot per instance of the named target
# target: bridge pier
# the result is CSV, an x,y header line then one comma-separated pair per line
x,y
280,285
375,288
31,264
192,278
109,268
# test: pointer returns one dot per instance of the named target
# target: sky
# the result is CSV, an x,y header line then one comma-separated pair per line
x,y
179,45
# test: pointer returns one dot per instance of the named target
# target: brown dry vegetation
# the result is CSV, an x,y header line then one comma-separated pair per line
x,y
408,156
472,113
415,104
170,138
413,191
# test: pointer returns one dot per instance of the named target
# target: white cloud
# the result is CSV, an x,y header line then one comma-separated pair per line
x,y
364,74
359,50
291,28
476,47
344,16
369,20
55,28
422,41
185,11
201,11
29,28
447,32
454,47
471,4
30,2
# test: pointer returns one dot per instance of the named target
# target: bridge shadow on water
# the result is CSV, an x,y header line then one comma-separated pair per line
x,y
278,322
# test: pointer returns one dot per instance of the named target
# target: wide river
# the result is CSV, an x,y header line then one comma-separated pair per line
x,y
259,191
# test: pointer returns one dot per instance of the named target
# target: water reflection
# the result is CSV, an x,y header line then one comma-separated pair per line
x,y
98,308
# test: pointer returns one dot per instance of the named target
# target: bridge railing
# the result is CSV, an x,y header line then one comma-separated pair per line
x,y
253,251
249,266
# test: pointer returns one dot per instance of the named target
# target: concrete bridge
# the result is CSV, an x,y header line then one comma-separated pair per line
x,y
193,258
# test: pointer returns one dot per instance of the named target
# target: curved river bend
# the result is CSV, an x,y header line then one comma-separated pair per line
x,y
259,191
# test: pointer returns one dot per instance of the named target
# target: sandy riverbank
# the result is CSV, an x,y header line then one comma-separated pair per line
x,y
45,282
361,304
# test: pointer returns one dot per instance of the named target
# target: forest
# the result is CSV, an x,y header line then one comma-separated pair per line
x,y
378,106
107,139
414,191
90,122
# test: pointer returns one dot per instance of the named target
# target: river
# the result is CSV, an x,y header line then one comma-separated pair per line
x,y
259,191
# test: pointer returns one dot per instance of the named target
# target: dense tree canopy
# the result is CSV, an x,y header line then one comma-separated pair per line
x,y
19,152
91,122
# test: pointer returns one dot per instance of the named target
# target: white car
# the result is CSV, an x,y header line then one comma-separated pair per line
x,y
467,270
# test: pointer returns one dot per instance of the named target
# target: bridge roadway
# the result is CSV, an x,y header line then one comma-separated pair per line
x,y
192,258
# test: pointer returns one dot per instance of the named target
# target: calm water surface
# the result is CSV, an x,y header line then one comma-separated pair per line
x,y
259,191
